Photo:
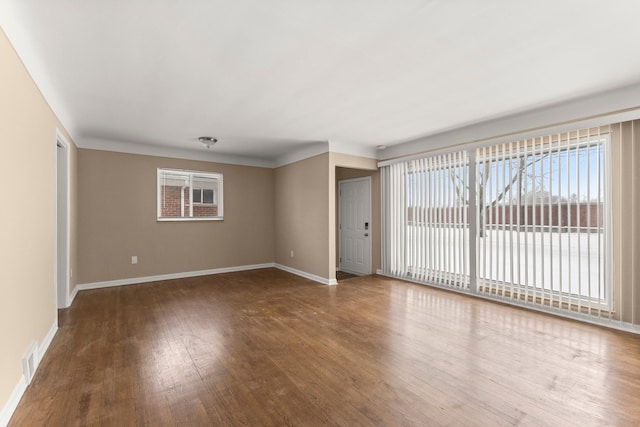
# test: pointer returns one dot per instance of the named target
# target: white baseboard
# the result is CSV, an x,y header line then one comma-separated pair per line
x,y
378,271
306,275
42,349
73,295
10,406
135,280
145,279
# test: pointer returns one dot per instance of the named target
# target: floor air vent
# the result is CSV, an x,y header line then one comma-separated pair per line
x,y
29,363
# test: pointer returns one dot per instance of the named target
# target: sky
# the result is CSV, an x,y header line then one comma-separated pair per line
x,y
574,170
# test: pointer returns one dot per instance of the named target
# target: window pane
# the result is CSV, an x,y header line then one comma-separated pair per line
x,y
197,196
173,186
541,220
207,196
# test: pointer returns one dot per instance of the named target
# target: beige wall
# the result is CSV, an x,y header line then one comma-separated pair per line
x,y
625,159
306,210
117,219
268,214
302,220
27,217
348,173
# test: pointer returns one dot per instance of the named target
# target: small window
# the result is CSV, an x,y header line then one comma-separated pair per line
x,y
203,196
207,197
189,195
197,196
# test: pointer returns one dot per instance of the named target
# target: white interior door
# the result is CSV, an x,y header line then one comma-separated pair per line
x,y
355,225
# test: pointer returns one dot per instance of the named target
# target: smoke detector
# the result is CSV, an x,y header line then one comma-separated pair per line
x,y
207,141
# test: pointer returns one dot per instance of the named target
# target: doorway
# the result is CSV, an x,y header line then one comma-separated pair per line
x,y
62,222
354,214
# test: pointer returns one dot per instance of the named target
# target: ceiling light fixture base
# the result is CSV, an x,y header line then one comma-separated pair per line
x,y
207,141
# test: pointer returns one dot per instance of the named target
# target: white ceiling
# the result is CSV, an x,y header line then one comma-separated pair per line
x,y
271,77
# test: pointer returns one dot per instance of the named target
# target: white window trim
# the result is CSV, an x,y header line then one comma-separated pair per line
x,y
218,196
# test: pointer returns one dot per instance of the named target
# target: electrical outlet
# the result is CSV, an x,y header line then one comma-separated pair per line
x,y
134,259
291,254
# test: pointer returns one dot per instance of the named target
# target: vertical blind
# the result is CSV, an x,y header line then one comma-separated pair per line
x,y
525,221
541,222
428,208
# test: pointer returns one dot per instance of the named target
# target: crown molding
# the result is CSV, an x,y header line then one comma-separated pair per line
x,y
353,149
105,144
307,151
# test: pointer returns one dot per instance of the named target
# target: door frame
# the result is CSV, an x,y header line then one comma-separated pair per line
x,y
340,183
62,227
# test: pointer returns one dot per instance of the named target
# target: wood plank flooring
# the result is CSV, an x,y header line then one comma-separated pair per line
x,y
264,348
343,275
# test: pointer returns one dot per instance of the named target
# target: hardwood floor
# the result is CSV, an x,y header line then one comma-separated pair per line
x,y
268,348
343,275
